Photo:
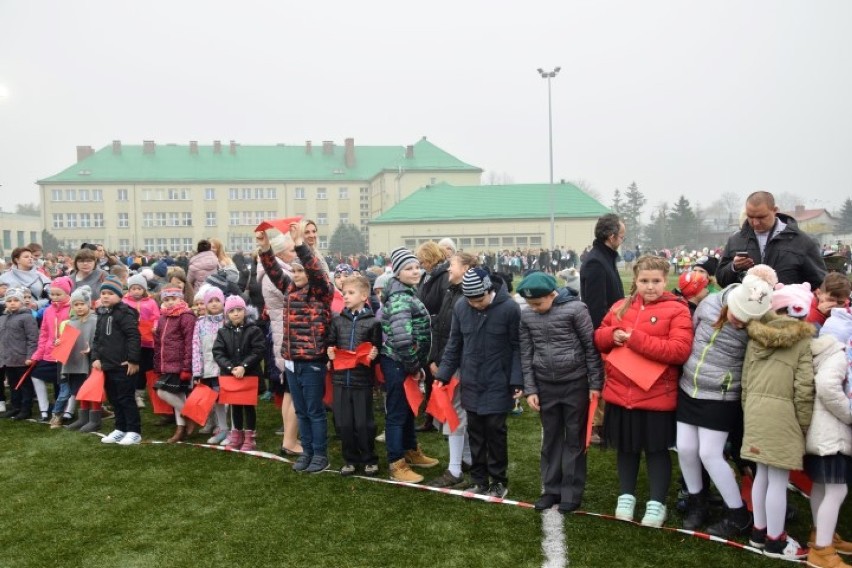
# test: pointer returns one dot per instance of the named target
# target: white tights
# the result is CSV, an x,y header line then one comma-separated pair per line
x,y
697,446
176,401
41,394
459,450
826,499
769,499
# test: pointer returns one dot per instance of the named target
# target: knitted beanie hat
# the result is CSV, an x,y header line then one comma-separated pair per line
x,y
63,283
400,258
82,294
161,269
213,293
382,281
475,283
691,284
14,293
796,298
753,298
708,263
112,284
344,268
233,303
278,243
171,292
137,280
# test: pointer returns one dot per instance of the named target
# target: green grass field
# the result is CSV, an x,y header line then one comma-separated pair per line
x,y
70,501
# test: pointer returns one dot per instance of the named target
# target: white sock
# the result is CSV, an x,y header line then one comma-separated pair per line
x,y
221,417
456,450
41,393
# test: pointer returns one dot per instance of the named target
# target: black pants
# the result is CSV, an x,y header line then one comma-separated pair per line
x,y
353,417
564,411
146,363
22,398
244,417
489,447
121,393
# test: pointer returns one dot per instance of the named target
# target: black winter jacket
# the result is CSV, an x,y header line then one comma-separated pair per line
x,y
442,323
559,346
600,282
794,255
485,347
117,337
348,331
243,346
432,287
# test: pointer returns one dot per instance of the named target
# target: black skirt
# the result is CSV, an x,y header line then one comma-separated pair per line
x,y
720,415
634,431
170,382
828,469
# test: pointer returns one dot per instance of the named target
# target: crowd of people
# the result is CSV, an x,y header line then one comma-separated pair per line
x,y
746,361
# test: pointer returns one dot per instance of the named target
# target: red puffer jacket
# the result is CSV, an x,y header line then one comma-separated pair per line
x,y
660,331
173,343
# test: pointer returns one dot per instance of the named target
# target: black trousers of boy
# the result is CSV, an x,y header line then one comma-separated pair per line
x,y
22,398
353,418
489,447
121,393
564,412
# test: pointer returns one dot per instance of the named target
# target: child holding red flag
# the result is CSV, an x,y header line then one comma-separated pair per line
x,y
76,369
149,314
562,372
204,367
353,386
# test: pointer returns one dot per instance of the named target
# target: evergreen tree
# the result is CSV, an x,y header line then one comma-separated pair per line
x,y
657,233
346,240
616,202
31,209
49,242
684,225
630,213
845,215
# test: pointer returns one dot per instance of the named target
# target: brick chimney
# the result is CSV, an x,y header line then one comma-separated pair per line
x,y
327,147
233,148
308,147
148,147
116,147
193,147
409,152
217,147
84,152
349,154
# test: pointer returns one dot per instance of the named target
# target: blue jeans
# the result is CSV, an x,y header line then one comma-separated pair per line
x,y
307,387
399,422
62,397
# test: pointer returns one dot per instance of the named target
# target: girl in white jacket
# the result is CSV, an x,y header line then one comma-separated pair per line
x,y
829,446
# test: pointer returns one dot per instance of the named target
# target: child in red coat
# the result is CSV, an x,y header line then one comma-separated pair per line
x,y
655,325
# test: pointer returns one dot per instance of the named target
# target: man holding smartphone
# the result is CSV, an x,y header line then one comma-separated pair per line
x,y
773,238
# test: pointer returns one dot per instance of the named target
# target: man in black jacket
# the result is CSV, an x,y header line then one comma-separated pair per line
x,y
769,237
600,282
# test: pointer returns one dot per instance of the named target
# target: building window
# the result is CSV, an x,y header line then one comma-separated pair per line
x,y
322,219
344,218
71,220
322,242
33,236
187,245
147,219
173,219
535,241
233,193
271,193
494,241
479,241
85,220
259,193
321,194
464,243
146,195
58,221
234,218
55,195
160,220
247,217
299,193
123,221
70,195
174,194
186,219
124,245
174,245
410,243
210,220
7,239
98,221
84,195
122,195
97,195
210,194
149,245
246,194
343,193
21,239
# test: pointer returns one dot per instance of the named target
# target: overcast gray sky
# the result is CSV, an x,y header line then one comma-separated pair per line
x,y
682,97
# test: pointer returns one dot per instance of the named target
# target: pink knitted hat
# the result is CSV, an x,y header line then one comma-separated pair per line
x,y
234,302
796,298
63,283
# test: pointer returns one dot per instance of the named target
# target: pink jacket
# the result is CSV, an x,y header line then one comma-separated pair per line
x,y
149,315
50,330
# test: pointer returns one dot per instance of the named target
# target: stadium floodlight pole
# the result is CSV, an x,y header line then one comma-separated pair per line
x,y
550,75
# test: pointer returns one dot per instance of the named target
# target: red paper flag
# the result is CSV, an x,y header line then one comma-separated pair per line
x,y
346,359
801,481
328,395
440,403
282,225
62,351
158,405
199,403
146,330
238,391
25,375
380,375
92,389
593,406
642,371
363,353
412,393
337,302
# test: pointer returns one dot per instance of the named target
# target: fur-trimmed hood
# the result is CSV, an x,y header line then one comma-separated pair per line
x,y
774,331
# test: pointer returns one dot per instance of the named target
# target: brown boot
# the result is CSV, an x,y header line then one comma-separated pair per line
x,y
825,557
840,546
417,458
179,435
400,471
190,427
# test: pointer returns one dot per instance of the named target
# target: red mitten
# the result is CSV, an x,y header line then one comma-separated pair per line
x,y
185,376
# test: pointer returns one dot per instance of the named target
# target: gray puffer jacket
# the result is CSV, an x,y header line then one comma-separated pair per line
x,y
18,337
714,368
558,346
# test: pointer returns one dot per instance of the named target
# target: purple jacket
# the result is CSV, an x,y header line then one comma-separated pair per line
x,y
173,343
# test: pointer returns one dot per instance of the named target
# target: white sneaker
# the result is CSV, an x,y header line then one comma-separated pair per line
x,y
130,439
218,437
625,508
140,402
113,437
380,437
655,514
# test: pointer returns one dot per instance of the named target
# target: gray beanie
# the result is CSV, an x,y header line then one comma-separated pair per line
x,y
137,280
82,294
14,293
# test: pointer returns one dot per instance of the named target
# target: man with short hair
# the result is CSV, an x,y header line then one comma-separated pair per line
x,y
772,238
600,282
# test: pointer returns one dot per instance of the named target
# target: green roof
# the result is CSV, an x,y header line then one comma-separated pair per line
x,y
445,202
253,163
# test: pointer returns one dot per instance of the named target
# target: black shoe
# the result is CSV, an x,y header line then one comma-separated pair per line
x,y
696,512
546,501
11,413
22,415
498,490
566,508
737,522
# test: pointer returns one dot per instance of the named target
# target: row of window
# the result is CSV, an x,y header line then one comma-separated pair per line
x,y
175,219
78,195
485,242
81,220
248,243
21,239
185,194
170,219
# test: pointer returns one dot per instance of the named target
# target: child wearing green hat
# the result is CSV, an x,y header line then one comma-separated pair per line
x,y
562,368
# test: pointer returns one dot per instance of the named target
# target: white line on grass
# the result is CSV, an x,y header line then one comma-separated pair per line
x,y
553,544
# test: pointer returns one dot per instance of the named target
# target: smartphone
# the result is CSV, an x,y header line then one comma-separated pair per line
x,y
742,253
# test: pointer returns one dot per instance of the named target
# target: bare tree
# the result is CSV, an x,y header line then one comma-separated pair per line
x,y
587,188
498,178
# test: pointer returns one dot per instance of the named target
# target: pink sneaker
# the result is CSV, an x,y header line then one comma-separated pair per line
x,y
235,439
248,441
